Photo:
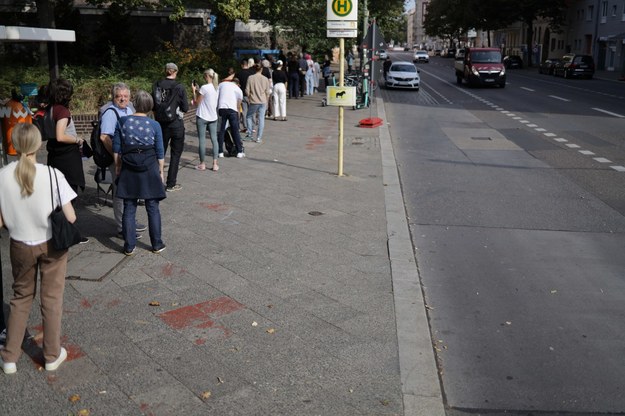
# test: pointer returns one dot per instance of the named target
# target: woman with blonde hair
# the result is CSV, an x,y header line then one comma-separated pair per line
x,y
28,194
206,116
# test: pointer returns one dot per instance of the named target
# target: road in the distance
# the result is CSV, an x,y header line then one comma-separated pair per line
x,y
519,238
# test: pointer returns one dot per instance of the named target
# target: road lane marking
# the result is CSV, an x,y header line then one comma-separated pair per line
x,y
586,152
559,98
608,112
602,160
532,125
527,89
560,140
540,129
618,168
572,146
550,134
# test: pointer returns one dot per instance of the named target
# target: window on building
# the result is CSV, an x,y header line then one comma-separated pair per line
x,y
623,17
614,10
604,11
589,12
553,45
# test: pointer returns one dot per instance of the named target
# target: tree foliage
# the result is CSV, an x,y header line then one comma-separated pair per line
x,y
450,18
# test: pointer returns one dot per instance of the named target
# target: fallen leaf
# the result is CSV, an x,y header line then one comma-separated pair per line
x,y
508,323
206,395
351,390
74,398
270,306
554,291
271,331
83,412
385,402
219,380
155,303
254,323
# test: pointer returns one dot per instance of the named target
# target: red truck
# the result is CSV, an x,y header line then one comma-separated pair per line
x,y
480,66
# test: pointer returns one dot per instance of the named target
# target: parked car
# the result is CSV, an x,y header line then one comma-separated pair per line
x,y
513,61
403,74
383,54
451,53
548,65
437,52
575,66
421,56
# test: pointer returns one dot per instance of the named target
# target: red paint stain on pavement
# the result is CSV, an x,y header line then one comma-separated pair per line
x,y
201,315
168,269
200,341
113,303
85,303
214,207
313,142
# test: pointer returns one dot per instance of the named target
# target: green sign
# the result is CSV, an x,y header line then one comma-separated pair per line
x,y
342,8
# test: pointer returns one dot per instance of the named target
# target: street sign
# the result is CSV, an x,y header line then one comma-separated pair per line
x,y
342,33
341,96
342,10
342,24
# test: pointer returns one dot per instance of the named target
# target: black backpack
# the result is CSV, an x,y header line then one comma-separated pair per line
x,y
101,156
165,103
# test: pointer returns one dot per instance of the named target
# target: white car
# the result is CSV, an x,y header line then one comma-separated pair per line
x,y
403,75
422,56
383,54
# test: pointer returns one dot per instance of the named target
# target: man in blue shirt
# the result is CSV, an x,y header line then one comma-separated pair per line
x,y
120,94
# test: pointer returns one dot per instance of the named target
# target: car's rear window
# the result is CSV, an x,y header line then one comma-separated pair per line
x,y
583,59
403,68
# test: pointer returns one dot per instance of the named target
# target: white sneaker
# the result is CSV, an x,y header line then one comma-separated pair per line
x,y
241,155
56,363
8,368
221,155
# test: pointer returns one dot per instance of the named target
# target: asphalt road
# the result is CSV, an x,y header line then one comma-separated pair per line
x,y
516,206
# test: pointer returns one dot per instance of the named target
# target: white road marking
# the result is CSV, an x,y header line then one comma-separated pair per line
x,y
527,89
586,152
608,112
618,168
524,121
602,160
560,140
532,125
572,146
559,98
540,129
550,134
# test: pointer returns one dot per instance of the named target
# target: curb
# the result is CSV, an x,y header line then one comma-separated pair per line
x,y
421,389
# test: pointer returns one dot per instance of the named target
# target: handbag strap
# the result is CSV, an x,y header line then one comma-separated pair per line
x,y
57,189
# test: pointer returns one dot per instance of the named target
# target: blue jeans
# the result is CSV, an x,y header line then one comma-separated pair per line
x,y
201,134
261,109
129,223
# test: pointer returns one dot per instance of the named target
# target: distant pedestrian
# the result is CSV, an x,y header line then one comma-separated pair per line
x,y
64,148
316,75
244,73
310,75
28,190
121,104
206,116
258,92
172,127
326,71
350,61
139,162
303,69
280,83
293,73
386,66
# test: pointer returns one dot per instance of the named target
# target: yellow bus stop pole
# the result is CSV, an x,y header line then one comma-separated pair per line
x,y
341,84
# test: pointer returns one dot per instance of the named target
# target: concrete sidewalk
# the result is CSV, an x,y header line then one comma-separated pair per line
x,y
284,290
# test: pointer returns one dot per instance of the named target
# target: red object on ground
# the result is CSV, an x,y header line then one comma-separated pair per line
x,y
370,122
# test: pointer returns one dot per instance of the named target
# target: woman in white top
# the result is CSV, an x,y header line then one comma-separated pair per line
x,y
206,116
27,196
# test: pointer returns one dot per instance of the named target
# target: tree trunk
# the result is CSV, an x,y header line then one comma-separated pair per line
x,y
47,50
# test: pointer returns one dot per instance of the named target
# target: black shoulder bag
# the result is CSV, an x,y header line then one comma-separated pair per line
x,y
64,233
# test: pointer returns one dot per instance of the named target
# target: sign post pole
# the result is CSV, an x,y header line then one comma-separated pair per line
x,y
342,22
341,110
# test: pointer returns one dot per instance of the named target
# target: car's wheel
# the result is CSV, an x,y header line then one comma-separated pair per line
x,y
566,74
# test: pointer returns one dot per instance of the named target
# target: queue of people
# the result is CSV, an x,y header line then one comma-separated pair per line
x,y
138,144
